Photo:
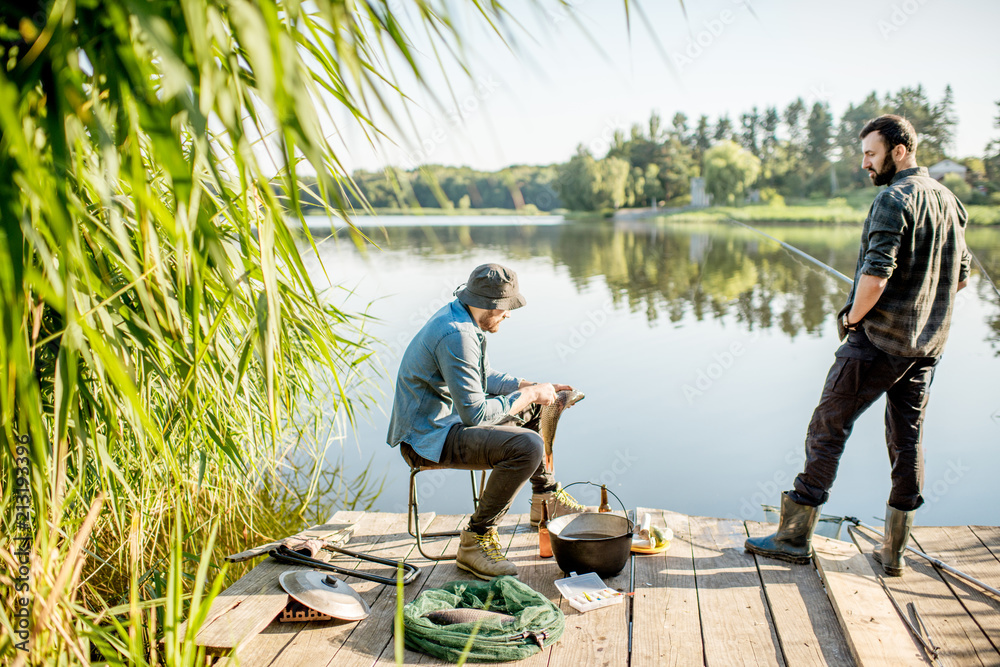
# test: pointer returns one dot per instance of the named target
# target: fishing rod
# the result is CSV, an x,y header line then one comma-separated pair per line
x,y
835,272
826,267
933,561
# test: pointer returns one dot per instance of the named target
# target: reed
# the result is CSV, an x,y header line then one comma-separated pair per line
x,y
161,340
163,346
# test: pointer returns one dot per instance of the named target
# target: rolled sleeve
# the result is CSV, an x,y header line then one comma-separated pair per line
x,y
965,265
885,233
499,383
455,354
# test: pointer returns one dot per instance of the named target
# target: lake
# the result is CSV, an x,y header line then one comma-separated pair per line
x,y
702,350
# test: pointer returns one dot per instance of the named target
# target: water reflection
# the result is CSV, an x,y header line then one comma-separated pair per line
x,y
711,271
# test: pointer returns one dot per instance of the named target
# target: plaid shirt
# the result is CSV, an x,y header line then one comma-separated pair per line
x,y
914,236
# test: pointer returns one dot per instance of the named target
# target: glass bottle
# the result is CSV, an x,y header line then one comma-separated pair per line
x,y
605,507
544,542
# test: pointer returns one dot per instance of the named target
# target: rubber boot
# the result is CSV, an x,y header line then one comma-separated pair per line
x,y
481,555
793,541
897,533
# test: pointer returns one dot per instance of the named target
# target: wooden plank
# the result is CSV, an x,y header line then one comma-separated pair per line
x,y
990,537
323,643
874,631
736,624
245,585
961,548
537,572
806,625
599,636
370,638
666,627
333,533
961,641
248,606
269,642
435,575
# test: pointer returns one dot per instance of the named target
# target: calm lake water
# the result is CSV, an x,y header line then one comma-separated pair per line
x,y
702,350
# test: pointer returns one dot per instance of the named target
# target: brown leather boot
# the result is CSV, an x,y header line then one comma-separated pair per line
x,y
559,503
793,541
481,555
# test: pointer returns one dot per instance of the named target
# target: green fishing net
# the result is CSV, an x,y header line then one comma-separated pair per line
x,y
537,622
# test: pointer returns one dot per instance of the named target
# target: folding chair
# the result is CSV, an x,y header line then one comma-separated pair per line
x,y
413,512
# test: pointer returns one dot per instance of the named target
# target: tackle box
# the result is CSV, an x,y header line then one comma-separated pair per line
x,y
587,591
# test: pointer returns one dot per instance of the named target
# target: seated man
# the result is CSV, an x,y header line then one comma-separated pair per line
x,y
452,409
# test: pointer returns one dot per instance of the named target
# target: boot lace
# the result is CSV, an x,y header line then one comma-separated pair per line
x,y
566,500
490,546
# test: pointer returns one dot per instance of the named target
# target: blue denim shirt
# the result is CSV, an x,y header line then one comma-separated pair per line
x,y
445,379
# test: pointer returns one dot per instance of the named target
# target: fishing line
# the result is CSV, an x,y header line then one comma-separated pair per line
x,y
793,249
982,270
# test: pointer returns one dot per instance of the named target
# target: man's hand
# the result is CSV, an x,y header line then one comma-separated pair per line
x,y
532,392
562,387
543,393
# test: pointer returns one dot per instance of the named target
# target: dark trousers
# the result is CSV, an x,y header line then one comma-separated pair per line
x,y
858,377
513,452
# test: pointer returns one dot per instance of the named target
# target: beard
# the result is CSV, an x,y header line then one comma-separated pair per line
x,y
884,175
490,322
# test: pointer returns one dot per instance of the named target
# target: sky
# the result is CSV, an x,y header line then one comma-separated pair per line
x,y
570,80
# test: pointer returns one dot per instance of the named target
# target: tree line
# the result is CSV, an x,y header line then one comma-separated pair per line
x,y
797,151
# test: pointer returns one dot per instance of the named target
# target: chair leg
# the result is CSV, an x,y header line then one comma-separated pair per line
x,y
477,490
413,521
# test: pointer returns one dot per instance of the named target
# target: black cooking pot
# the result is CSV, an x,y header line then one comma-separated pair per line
x,y
598,542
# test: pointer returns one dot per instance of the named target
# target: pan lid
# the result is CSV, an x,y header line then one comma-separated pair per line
x,y
324,593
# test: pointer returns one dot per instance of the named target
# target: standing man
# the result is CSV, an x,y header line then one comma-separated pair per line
x,y
913,262
451,408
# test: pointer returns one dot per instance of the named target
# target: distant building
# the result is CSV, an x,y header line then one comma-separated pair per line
x,y
699,198
938,171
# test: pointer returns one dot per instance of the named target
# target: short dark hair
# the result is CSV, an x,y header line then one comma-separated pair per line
x,y
894,130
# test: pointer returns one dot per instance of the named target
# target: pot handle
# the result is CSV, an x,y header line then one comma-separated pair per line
x,y
631,524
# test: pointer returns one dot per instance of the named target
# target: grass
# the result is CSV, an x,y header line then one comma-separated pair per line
x,y
838,210
831,214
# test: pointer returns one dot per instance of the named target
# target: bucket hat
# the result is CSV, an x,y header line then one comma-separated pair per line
x,y
491,287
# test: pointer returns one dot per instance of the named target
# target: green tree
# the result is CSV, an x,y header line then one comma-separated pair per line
x,y
723,129
702,139
653,190
819,135
675,168
933,123
656,127
729,172
848,140
609,184
680,128
991,157
750,138
575,184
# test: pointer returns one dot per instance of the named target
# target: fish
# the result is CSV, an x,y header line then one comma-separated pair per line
x,y
565,399
466,615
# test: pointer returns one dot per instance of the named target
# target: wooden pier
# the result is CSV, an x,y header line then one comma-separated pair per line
x,y
703,602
